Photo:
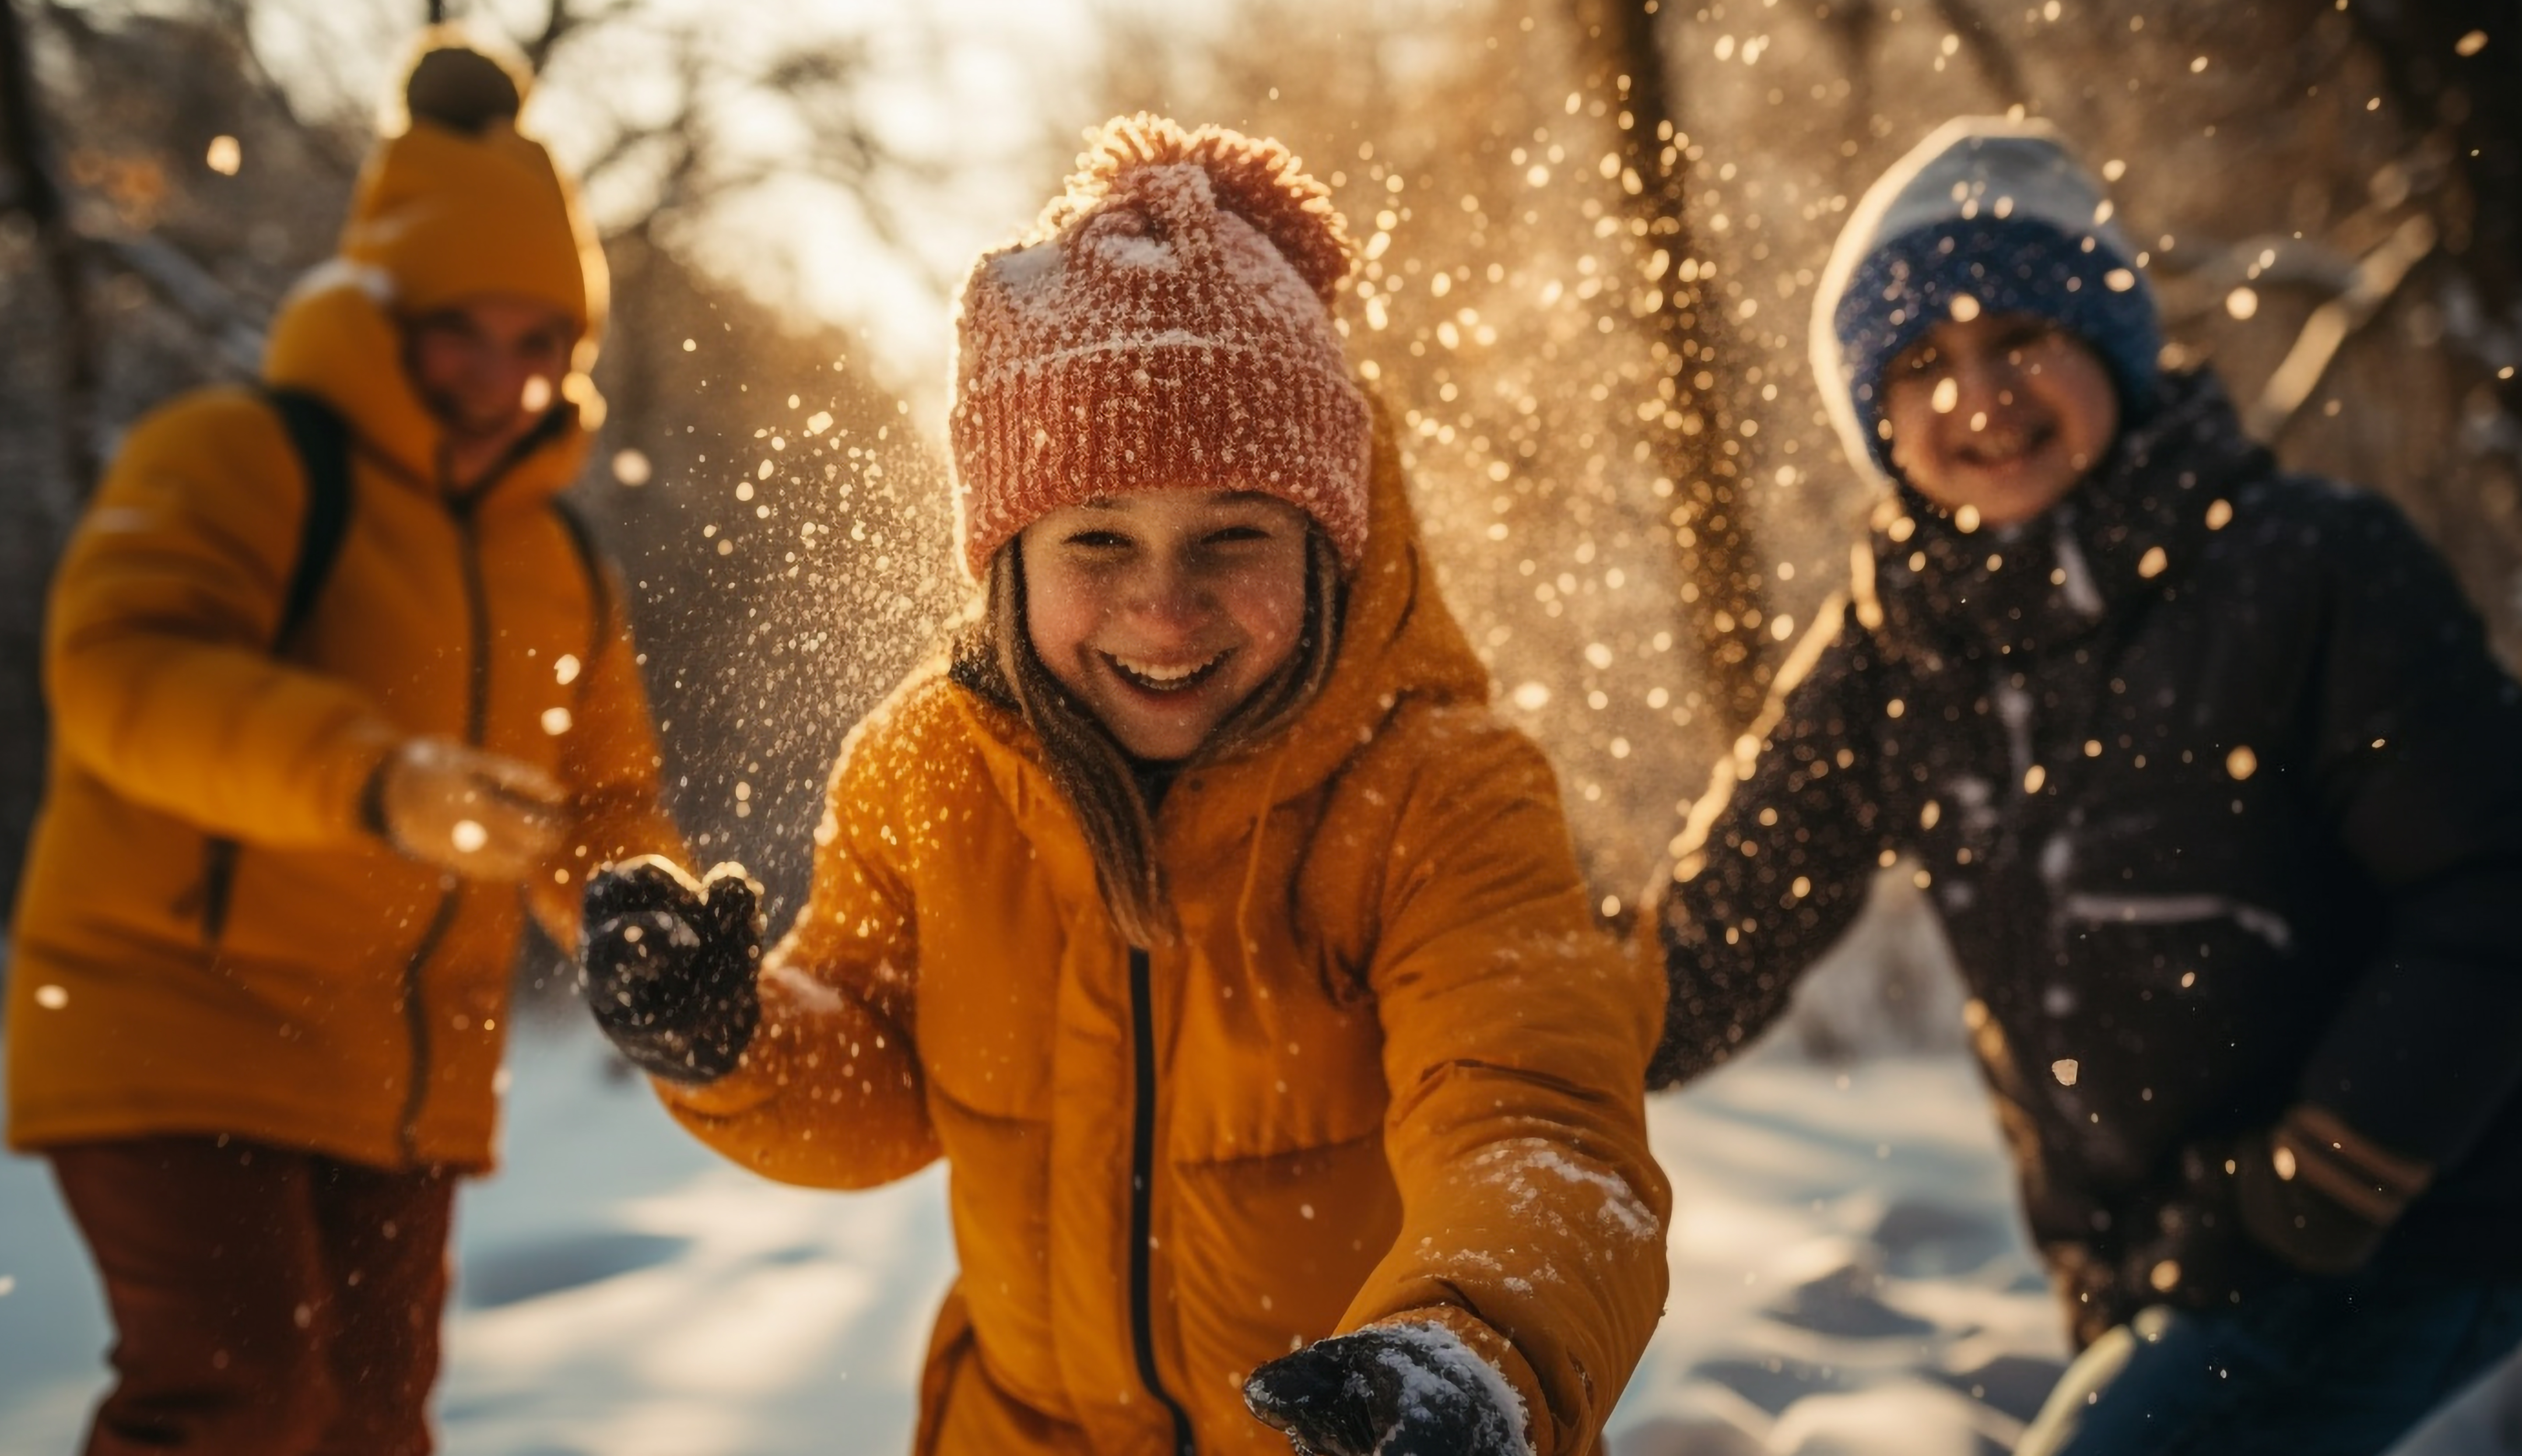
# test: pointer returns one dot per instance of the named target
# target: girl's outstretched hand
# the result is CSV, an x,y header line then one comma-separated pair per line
x,y
1389,1390
668,965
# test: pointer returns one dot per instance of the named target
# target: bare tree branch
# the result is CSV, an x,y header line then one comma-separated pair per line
x,y
342,137
821,87
2449,66
2198,284
225,320
561,21
2377,277
1994,60
2442,60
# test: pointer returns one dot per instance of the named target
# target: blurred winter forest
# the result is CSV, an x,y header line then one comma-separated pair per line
x,y
1589,231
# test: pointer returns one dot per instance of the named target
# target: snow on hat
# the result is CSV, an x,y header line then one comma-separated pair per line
x,y
1166,326
1994,210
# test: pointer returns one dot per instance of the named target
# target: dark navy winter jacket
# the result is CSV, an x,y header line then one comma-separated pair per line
x,y
2219,797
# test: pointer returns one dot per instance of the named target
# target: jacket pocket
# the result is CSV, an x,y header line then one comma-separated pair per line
x,y
1268,1252
2163,1017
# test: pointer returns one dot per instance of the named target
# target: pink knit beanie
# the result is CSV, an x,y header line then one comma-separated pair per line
x,y
1167,326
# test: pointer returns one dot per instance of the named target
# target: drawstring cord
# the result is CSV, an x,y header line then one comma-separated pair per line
x,y
1244,944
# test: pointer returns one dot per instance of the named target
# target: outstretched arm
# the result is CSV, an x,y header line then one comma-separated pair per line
x,y
1775,860
1515,1036
829,1089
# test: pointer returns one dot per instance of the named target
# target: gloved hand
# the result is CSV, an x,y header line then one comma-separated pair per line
x,y
2321,1196
481,815
2094,1287
2190,1251
2310,1196
668,965
1389,1390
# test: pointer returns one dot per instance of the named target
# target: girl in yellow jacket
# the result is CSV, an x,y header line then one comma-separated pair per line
x,y
1195,909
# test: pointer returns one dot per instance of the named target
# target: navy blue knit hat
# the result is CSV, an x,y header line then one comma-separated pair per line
x,y
1996,211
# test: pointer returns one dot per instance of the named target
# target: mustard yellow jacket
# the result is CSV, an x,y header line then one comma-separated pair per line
x,y
1391,1071
350,1001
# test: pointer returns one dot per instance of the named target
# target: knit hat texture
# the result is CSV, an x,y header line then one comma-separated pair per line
x,y
1167,326
459,204
1995,211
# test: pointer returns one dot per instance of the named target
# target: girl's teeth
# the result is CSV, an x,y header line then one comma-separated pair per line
x,y
1159,674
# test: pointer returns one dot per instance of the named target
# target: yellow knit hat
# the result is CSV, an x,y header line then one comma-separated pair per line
x,y
460,203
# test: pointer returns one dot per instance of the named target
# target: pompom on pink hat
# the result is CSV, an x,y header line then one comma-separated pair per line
x,y
1167,326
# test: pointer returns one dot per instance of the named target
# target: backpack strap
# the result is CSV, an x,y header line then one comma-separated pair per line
x,y
321,439
599,580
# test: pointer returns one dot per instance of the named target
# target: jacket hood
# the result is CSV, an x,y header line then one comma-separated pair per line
x,y
336,338
1397,638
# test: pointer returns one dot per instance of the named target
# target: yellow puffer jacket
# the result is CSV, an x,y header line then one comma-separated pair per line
x,y
1392,1071
350,1001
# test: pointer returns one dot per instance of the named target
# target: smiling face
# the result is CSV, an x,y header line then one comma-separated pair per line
x,y
1162,612
489,366
2002,413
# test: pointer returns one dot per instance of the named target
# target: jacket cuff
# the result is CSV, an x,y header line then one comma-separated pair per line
x,y
759,1073
2321,1196
367,758
372,800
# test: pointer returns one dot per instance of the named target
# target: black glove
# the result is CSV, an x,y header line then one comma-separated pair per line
x,y
2093,1287
668,965
2190,1251
2310,1196
1391,1390
2321,1196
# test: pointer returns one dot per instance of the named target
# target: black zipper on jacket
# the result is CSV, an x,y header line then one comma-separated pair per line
x,y
476,718
415,1021
1143,1187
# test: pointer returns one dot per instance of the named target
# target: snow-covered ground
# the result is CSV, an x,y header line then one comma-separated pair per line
x,y
1849,1280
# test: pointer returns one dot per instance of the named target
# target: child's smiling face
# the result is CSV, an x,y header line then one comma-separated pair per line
x,y
1162,612
2002,413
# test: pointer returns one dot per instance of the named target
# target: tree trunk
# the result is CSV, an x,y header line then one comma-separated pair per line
x,y
2442,62
1716,553
28,184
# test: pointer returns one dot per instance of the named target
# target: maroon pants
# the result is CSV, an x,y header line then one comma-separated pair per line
x,y
265,1302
